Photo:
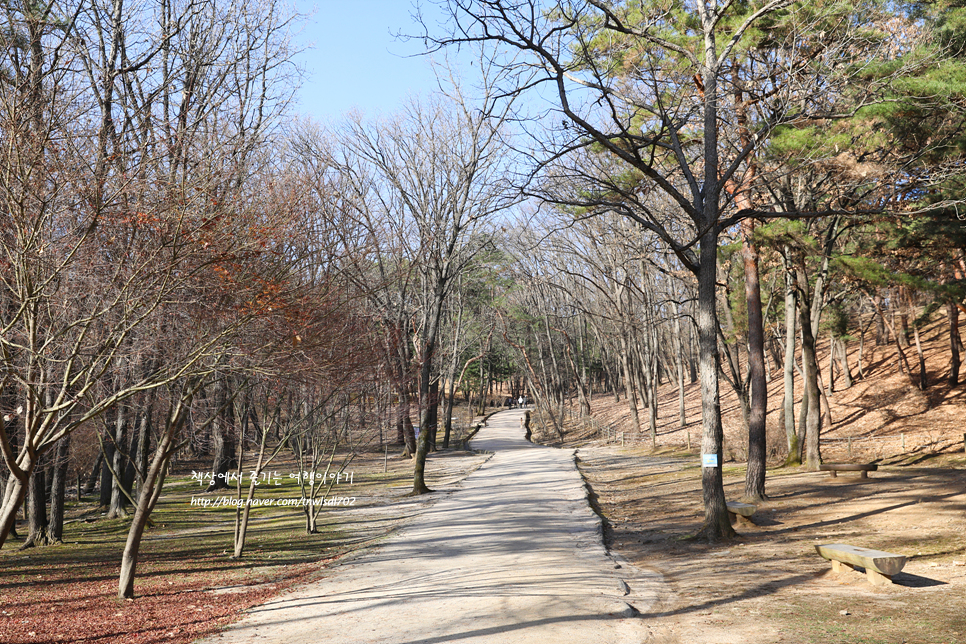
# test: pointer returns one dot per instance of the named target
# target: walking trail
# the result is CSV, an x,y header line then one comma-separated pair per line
x,y
512,555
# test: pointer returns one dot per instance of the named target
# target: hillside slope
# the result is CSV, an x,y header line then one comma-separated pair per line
x,y
881,417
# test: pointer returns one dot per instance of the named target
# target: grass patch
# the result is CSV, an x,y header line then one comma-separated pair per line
x,y
863,623
186,584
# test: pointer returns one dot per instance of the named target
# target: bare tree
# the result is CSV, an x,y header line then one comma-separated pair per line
x,y
435,177
130,222
641,110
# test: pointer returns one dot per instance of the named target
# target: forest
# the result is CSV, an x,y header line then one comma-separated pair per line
x,y
618,198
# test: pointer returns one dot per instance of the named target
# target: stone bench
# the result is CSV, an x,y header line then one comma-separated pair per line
x,y
879,566
741,512
861,468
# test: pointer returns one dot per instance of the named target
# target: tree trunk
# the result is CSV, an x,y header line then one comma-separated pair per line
x,y
144,444
802,419
826,406
955,343
788,403
643,377
923,376
813,419
243,512
903,318
881,330
107,480
37,522
692,363
14,494
58,490
150,491
586,387
448,414
717,524
131,476
679,364
832,347
432,414
95,474
629,393
844,363
404,425
428,395
224,439
118,499
755,473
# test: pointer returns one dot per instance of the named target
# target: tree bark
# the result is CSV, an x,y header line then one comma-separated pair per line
x,y
147,498
448,396
586,387
404,424
37,522
107,480
717,524
428,401
788,403
224,437
448,414
881,331
923,375
432,414
58,490
757,452
679,364
144,443
844,363
813,419
955,343
629,394
118,501
243,512
14,494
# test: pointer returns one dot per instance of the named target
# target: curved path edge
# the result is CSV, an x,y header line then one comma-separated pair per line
x,y
514,554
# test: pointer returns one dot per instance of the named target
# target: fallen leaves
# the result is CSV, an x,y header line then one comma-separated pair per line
x,y
80,604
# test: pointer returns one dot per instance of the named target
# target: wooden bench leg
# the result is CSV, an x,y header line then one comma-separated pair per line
x,y
877,578
863,474
833,473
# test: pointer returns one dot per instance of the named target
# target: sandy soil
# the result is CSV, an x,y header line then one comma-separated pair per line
x,y
883,417
769,585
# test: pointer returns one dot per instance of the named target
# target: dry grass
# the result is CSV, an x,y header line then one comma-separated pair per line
x,y
186,584
769,585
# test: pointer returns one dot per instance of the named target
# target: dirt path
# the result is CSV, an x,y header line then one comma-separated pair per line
x,y
512,555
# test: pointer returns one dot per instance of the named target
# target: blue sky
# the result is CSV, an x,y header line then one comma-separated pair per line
x,y
355,62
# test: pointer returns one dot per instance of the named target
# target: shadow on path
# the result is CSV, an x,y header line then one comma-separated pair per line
x,y
513,554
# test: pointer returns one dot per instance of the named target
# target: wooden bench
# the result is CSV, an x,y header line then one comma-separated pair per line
x,y
862,468
879,566
741,512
